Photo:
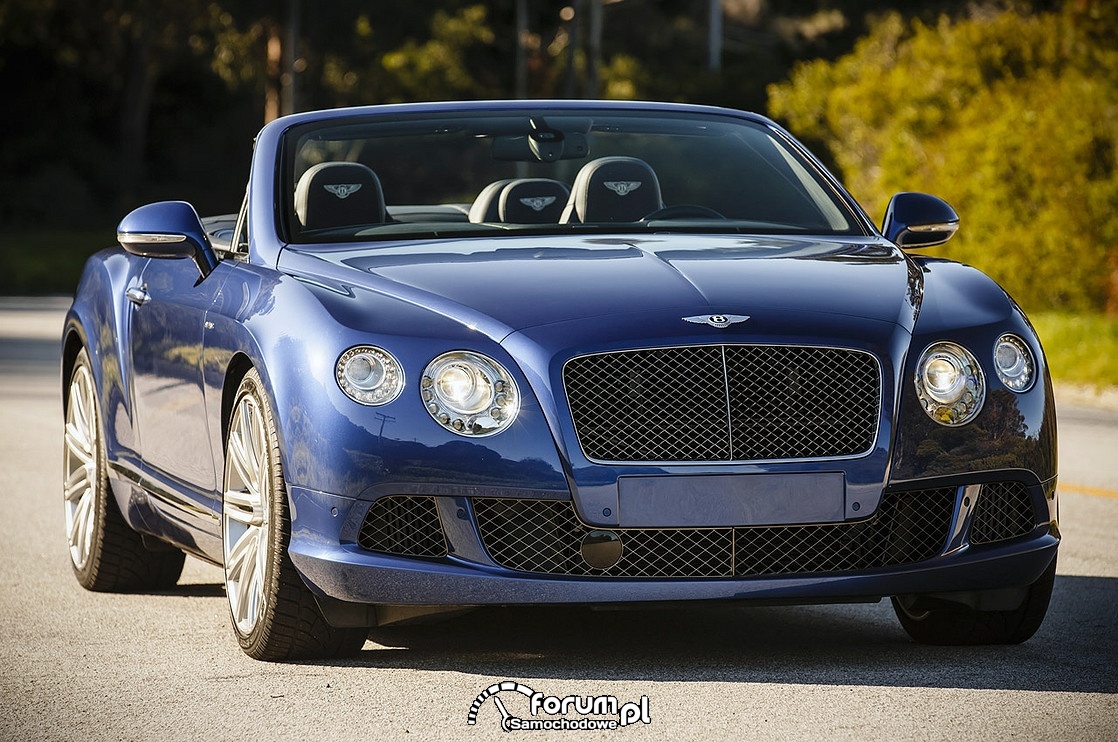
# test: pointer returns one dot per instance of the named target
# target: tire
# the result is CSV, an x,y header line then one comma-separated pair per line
x,y
275,617
105,553
958,624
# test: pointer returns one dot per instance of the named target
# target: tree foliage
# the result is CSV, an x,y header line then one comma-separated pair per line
x,y
1010,116
112,103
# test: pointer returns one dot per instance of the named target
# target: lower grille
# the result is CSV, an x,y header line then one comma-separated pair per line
x,y
545,536
1004,511
403,525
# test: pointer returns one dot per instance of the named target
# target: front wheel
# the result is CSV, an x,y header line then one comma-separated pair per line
x,y
275,616
958,624
105,553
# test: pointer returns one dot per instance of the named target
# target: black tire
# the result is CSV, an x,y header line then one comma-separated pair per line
x,y
957,624
275,617
105,553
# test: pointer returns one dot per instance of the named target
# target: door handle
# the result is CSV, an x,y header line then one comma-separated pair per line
x,y
138,296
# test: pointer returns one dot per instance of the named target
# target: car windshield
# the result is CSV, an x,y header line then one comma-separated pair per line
x,y
400,176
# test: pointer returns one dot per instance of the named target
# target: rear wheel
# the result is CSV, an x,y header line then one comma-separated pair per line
x,y
275,616
958,624
105,553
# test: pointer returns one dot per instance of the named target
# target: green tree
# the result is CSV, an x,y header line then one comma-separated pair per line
x,y
1010,116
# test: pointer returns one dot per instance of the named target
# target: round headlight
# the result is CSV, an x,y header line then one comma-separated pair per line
x,y
470,394
1014,363
369,375
950,384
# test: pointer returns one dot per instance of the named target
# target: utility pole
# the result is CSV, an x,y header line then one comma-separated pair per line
x,y
714,61
290,55
520,89
594,50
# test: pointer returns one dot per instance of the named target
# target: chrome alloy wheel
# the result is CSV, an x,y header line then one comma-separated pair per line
x,y
82,466
245,514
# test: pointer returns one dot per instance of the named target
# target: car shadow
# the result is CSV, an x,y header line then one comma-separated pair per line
x,y
198,590
1076,649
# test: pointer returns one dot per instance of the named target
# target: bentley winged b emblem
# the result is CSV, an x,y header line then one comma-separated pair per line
x,y
343,190
538,203
717,320
622,187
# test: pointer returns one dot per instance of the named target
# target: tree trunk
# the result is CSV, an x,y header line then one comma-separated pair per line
x,y
140,75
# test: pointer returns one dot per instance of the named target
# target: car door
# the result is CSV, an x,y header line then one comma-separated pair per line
x,y
168,304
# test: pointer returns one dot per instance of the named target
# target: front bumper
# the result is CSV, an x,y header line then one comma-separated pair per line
x,y
324,548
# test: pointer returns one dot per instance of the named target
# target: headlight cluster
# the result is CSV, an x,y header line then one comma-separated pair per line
x,y
465,392
950,383
469,393
369,375
1014,363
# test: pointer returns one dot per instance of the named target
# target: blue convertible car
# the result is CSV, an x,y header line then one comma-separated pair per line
x,y
497,353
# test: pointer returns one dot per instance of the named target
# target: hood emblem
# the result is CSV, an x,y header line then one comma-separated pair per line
x,y
343,190
538,203
622,187
717,320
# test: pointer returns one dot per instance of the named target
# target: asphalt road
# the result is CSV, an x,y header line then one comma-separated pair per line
x,y
78,665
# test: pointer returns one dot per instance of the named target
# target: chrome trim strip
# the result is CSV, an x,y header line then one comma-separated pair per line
x,y
941,227
159,493
147,238
965,503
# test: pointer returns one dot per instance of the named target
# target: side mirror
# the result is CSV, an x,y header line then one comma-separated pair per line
x,y
917,220
167,229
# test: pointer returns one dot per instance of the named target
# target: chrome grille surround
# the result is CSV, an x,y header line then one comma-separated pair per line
x,y
544,536
1004,511
403,525
717,403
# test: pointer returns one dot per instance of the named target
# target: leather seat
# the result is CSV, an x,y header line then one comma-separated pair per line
x,y
532,201
613,189
485,206
339,194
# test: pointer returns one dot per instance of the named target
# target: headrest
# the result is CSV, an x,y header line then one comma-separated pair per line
x,y
613,189
533,201
339,194
485,206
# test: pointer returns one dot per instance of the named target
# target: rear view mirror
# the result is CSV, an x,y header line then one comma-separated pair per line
x,y
167,229
915,220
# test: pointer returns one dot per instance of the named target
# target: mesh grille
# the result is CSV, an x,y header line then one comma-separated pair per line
x,y
724,403
408,526
544,536
1004,511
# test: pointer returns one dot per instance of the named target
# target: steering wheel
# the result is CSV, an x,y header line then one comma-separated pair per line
x,y
683,211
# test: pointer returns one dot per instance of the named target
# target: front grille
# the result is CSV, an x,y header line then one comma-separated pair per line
x,y
1004,511
545,536
403,525
724,403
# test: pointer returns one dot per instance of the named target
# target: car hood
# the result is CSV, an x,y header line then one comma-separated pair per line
x,y
504,285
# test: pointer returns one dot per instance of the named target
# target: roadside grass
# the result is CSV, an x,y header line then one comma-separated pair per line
x,y
1081,348
47,261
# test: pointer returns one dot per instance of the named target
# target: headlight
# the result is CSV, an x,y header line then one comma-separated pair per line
x,y
369,375
1014,363
469,393
950,384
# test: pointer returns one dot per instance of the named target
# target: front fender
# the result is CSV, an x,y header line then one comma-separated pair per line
x,y
1013,430
293,331
98,321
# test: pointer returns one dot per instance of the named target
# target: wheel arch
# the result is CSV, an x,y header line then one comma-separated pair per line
x,y
235,372
72,343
